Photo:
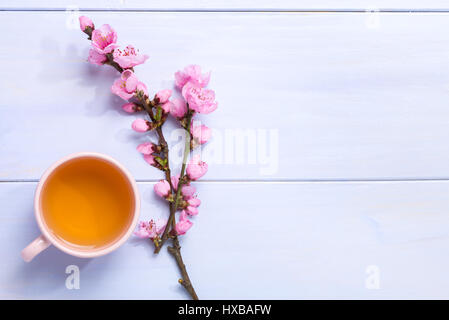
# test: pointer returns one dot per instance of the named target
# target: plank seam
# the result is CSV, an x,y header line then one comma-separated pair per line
x,y
274,181
261,10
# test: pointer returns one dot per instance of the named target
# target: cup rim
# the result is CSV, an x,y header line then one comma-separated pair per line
x,y
58,243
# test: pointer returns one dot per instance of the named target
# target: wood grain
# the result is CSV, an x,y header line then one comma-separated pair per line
x,y
249,243
220,5
347,96
344,101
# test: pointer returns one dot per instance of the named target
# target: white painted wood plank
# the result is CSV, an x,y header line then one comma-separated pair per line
x,y
347,99
228,5
256,241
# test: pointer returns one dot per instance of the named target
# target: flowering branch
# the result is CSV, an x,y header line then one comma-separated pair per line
x,y
176,190
185,281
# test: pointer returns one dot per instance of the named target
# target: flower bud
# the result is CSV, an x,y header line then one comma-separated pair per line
x,y
178,108
162,188
166,107
183,224
149,159
141,89
188,191
196,168
86,22
163,96
192,211
129,107
194,202
146,148
175,181
201,134
141,125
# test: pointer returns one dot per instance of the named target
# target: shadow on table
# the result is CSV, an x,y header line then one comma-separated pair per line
x,y
68,64
46,275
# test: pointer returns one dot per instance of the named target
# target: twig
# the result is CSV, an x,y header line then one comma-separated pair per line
x,y
175,251
178,191
112,63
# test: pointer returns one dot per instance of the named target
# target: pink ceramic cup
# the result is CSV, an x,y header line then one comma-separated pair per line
x,y
47,238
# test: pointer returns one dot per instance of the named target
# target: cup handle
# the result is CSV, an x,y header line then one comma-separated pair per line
x,y
34,248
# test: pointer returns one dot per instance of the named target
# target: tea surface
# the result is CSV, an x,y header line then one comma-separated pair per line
x,y
87,202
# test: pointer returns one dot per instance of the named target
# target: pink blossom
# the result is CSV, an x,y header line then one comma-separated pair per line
x,y
150,229
104,39
96,58
86,22
129,107
199,99
142,87
126,86
194,202
162,188
192,211
188,191
183,224
163,95
192,206
143,230
192,73
175,181
146,148
140,125
166,107
200,133
149,159
160,226
178,108
196,168
129,57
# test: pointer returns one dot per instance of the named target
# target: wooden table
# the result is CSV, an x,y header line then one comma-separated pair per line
x,y
338,187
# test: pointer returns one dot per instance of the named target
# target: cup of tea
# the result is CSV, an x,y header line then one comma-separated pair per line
x,y
86,204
